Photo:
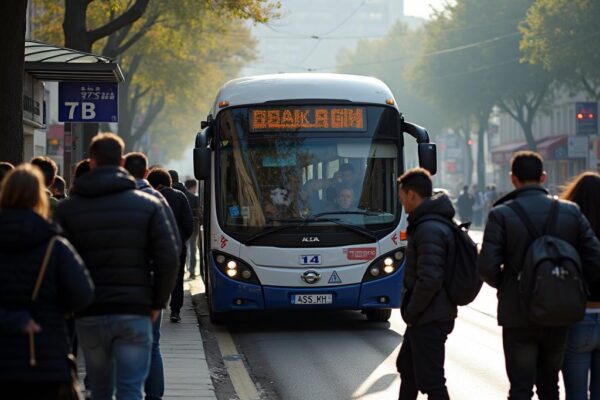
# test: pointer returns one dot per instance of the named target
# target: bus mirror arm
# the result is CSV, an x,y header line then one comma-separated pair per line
x,y
427,150
416,131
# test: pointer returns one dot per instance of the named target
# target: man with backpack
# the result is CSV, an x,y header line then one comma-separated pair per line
x,y
538,252
427,308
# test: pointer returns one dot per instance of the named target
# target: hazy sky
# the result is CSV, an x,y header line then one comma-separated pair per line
x,y
421,8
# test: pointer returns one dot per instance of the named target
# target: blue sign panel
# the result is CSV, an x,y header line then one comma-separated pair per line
x,y
88,102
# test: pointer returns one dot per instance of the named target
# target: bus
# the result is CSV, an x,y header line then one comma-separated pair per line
x,y
300,197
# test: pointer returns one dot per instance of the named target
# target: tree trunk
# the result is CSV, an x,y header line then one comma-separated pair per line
x,y
12,40
528,132
483,122
468,174
74,26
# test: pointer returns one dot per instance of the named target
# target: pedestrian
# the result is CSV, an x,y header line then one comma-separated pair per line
x,y
426,308
478,206
465,204
58,188
581,367
128,245
191,186
82,167
42,279
49,170
160,179
533,351
175,184
137,165
5,168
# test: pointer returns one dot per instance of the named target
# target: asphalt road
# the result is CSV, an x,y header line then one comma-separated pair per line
x,y
339,355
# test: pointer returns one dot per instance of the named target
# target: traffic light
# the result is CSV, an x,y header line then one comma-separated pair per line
x,y
470,142
586,118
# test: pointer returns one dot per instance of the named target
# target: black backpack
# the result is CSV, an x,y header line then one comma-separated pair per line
x,y
462,281
550,281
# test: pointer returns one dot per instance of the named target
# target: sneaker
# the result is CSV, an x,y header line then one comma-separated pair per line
x,y
175,317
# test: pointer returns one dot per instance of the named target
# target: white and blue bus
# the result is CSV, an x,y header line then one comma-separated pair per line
x,y
300,195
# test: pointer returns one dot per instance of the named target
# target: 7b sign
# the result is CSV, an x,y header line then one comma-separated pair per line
x,y
88,102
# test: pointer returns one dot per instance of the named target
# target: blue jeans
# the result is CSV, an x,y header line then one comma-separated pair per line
x,y
155,382
117,354
581,367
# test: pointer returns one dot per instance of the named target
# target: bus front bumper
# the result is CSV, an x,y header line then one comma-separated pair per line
x,y
232,295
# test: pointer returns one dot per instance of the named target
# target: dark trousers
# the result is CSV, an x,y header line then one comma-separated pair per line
x,y
33,390
421,361
177,293
534,356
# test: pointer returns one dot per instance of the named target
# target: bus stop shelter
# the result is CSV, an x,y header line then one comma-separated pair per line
x,y
49,63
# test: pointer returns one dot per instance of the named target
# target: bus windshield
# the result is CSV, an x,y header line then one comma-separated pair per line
x,y
327,167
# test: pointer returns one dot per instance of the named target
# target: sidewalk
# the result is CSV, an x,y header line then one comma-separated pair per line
x,y
186,371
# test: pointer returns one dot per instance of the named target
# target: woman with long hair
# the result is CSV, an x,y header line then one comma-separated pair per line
x,y
42,279
581,367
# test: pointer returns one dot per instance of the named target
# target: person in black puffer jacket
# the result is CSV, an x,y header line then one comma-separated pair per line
x,y
129,247
66,287
161,180
533,353
426,308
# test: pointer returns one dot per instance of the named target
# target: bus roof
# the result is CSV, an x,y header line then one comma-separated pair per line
x,y
302,86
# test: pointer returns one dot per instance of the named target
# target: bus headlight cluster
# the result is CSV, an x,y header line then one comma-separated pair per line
x,y
384,266
236,269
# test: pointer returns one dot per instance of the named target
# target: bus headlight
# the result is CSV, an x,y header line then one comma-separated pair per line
x,y
235,268
231,273
384,265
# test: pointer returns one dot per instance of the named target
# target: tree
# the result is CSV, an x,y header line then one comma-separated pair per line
x,y
454,80
387,59
478,63
12,40
148,36
563,37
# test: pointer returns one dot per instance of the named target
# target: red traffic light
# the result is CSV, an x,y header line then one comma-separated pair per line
x,y
580,116
470,142
591,116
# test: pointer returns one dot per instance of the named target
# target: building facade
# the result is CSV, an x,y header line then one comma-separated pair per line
x,y
565,153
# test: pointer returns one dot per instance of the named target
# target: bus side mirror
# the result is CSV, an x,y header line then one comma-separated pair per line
x,y
428,157
202,163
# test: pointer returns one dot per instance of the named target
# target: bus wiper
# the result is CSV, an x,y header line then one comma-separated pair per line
x,y
299,222
269,231
364,232
359,212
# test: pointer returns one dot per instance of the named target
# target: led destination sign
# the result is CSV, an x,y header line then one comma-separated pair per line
x,y
331,118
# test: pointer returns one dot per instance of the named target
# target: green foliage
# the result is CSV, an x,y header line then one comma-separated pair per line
x,y
388,59
174,59
471,62
564,37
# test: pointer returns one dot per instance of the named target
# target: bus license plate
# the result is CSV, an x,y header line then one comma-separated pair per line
x,y
312,299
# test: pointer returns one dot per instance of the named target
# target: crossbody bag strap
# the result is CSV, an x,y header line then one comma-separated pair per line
x,y
36,289
550,228
44,267
520,211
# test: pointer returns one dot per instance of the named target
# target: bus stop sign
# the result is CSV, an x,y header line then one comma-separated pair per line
x,y
88,102
586,116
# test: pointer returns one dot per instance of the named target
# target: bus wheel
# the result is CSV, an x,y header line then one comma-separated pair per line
x,y
379,315
217,318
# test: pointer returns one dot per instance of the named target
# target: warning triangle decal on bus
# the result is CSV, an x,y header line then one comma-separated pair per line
x,y
335,278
